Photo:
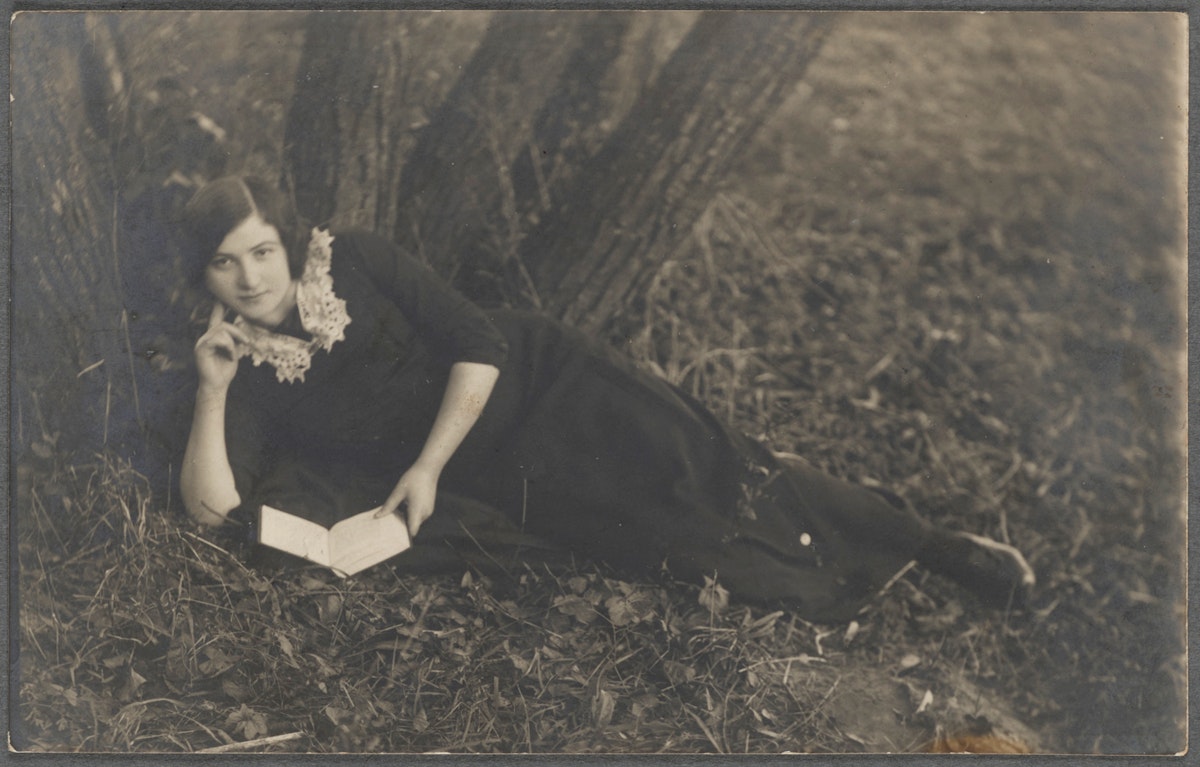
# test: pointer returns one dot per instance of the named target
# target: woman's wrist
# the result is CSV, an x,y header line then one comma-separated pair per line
x,y
429,466
204,515
211,394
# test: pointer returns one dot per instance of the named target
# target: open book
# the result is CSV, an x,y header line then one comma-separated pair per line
x,y
348,547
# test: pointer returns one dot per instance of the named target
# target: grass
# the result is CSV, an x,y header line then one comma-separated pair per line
x,y
161,639
973,310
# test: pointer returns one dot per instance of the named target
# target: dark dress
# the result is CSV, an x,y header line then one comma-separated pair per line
x,y
576,446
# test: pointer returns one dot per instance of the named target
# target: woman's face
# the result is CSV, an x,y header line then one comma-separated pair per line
x,y
250,275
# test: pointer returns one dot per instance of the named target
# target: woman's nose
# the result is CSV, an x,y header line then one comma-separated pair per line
x,y
248,276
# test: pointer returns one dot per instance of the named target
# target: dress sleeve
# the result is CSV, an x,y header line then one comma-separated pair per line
x,y
451,326
245,445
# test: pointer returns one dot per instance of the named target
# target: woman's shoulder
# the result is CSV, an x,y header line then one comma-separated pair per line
x,y
362,251
359,239
369,249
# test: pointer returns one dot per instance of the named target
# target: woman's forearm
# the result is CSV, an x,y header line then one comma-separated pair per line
x,y
467,393
206,478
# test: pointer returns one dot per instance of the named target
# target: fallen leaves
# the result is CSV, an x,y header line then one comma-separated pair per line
x,y
851,631
249,722
630,607
678,673
926,702
909,662
713,596
577,607
604,703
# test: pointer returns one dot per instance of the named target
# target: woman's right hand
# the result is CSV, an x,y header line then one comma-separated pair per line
x,y
217,351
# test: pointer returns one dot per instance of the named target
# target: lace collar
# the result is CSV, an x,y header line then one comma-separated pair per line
x,y
322,315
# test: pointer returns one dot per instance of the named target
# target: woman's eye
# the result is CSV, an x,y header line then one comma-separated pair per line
x,y
219,262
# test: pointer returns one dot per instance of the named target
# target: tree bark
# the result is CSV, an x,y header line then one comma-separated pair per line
x,y
637,199
580,112
67,311
339,140
456,205
95,266
574,121
67,314
504,191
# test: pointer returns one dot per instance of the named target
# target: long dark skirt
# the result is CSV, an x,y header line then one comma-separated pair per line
x,y
581,450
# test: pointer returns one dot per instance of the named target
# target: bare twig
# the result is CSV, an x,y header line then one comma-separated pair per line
x,y
89,368
247,745
899,574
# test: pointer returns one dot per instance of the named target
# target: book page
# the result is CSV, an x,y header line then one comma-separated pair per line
x,y
294,535
362,540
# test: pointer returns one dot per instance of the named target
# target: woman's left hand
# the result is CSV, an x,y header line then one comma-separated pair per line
x,y
467,390
417,489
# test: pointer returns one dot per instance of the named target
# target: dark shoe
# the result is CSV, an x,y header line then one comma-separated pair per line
x,y
994,572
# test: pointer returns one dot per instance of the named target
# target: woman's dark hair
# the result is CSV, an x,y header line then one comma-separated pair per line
x,y
221,205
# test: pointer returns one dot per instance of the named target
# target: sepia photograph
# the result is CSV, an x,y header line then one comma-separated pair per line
x,y
496,381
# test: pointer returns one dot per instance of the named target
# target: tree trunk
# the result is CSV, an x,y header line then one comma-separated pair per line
x,y
94,265
638,197
456,202
513,146
588,97
67,315
571,125
339,141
